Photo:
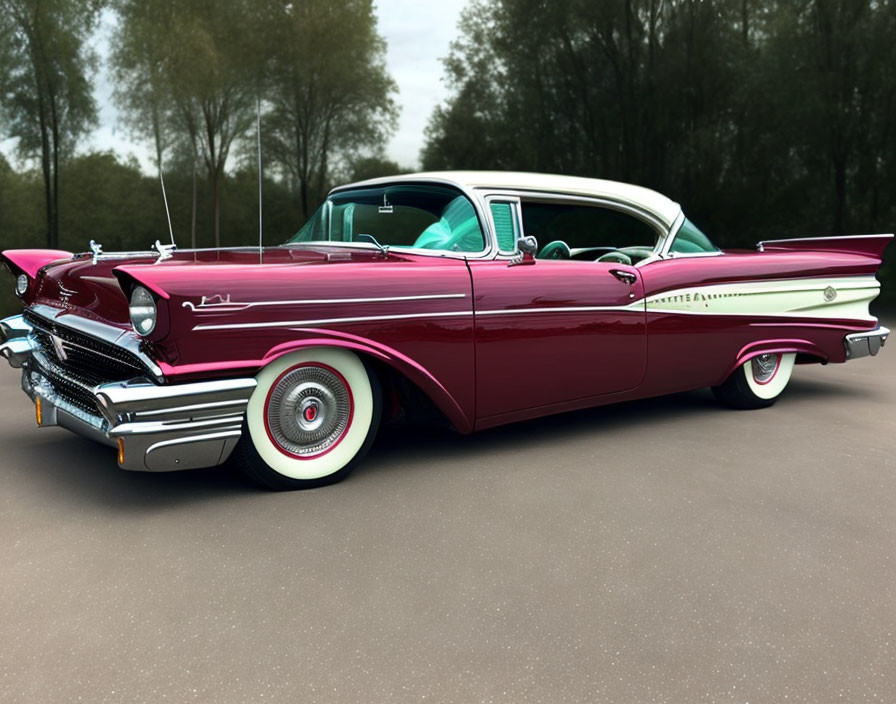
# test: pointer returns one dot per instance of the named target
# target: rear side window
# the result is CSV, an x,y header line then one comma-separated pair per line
x,y
690,240
586,226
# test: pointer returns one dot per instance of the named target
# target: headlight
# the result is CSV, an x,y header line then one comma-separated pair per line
x,y
21,284
143,311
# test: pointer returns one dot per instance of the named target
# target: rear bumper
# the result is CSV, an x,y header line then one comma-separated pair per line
x,y
863,344
156,428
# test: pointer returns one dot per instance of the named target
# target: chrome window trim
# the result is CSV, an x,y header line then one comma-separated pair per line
x,y
665,252
542,196
516,208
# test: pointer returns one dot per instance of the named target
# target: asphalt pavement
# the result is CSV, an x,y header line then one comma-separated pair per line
x,y
667,550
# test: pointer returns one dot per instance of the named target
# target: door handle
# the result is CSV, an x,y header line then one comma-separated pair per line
x,y
624,276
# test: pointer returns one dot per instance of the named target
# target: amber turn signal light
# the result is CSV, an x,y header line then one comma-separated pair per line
x,y
120,450
38,411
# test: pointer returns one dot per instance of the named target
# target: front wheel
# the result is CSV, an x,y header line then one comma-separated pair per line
x,y
758,382
310,420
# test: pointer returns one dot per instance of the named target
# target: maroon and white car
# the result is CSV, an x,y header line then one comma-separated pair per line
x,y
490,297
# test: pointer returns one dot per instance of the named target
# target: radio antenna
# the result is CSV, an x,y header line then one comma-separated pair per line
x,y
258,134
165,198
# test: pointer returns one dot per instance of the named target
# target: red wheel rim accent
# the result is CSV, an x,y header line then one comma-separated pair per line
x,y
338,440
774,373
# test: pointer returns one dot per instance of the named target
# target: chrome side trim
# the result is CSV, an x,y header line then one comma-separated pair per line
x,y
763,243
636,307
864,344
329,321
233,306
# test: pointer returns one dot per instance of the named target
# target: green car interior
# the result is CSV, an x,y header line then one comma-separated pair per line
x,y
588,233
414,216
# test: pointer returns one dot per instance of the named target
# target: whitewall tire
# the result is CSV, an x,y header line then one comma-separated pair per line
x,y
310,420
758,382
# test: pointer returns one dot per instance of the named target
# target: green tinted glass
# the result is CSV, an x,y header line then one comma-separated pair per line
x,y
690,240
505,226
415,216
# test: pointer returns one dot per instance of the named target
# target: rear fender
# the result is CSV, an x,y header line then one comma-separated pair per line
x,y
404,365
795,346
868,245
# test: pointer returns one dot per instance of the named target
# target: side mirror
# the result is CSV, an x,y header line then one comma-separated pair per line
x,y
528,246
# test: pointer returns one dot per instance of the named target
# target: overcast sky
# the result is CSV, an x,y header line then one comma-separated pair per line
x,y
418,34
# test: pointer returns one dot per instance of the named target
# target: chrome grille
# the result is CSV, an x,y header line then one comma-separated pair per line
x,y
92,360
74,363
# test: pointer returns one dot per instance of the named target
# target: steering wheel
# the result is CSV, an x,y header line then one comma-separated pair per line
x,y
617,257
558,249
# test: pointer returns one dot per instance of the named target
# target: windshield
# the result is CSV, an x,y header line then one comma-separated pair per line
x,y
419,217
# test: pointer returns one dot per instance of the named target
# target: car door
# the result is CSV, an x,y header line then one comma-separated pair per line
x,y
553,331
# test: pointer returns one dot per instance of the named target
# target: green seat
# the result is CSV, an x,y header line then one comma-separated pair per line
x,y
457,230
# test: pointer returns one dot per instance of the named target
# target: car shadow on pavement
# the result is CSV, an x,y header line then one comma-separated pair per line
x,y
57,462
641,418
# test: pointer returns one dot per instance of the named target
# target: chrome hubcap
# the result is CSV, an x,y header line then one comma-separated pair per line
x,y
308,410
764,367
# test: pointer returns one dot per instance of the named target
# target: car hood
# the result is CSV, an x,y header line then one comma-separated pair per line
x,y
99,287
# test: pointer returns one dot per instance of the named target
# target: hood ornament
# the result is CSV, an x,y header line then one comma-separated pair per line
x,y
97,250
166,251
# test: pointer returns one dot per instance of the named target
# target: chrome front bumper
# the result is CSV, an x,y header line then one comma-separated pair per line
x,y
156,428
863,344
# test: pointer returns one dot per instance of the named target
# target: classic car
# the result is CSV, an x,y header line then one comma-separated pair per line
x,y
482,297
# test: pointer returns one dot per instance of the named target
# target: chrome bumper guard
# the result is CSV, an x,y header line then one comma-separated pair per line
x,y
863,344
156,428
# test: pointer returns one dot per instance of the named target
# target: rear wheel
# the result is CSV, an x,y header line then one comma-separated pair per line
x,y
310,420
758,382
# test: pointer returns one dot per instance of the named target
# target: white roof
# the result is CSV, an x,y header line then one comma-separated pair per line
x,y
656,204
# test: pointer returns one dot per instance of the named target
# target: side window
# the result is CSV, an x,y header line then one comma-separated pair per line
x,y
589,231
690,240
505,225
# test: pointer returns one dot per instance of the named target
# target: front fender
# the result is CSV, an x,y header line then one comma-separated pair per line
x,y
406,366
29,261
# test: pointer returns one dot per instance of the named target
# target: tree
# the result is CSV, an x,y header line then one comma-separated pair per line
x,y
214,73
329,94
46,100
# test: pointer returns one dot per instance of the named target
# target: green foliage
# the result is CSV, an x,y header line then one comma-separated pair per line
x,y
46,99
374,167
329,94
763,120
